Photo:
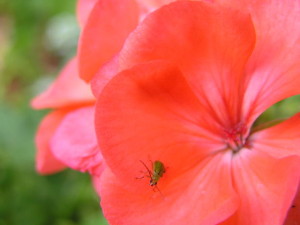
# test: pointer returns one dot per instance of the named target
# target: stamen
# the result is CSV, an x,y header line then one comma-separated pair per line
x,y
235,137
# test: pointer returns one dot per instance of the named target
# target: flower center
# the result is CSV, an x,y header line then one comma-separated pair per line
x,y
235,137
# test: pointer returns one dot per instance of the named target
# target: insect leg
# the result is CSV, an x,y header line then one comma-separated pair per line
x,y
156,187
140,177
150,175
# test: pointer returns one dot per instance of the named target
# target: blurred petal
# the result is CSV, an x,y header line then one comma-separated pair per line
x,y
84,7
210,45
266,186
151,112
66,91
203,195
46,162
109,24
281,140
75,144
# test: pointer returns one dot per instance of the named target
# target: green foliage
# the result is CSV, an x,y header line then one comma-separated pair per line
x,y
280,111
27,54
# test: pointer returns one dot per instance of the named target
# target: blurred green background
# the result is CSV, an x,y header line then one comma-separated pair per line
x,y
36,38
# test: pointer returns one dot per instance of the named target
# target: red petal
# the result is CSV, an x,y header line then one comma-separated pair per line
x,y
149,112
281,140
67,90
203,195
109,24
266,187
84,8
272,73
75,144
46,163
209,43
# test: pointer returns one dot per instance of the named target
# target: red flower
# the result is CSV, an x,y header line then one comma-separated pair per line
x,y
194,78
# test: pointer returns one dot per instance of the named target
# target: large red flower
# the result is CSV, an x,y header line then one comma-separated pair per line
x,y
194,77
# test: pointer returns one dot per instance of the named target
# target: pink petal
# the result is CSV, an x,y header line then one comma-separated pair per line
x,y
203,195
75,144
84,7
150,5
104,75
46,162
209,43
266,187
109,24
281,140
154,3
150,112
66,91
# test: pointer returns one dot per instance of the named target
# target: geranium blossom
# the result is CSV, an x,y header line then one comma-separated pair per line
x,y
66,136
194,77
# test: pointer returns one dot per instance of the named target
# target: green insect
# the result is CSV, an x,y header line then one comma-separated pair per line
x,y
158,169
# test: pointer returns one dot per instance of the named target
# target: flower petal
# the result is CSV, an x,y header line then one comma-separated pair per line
x,y
108,26
281,140
46,162
273,71
151,112
104,75
204,195
209,43
84,7
67,90
154,3
75,144
266,186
